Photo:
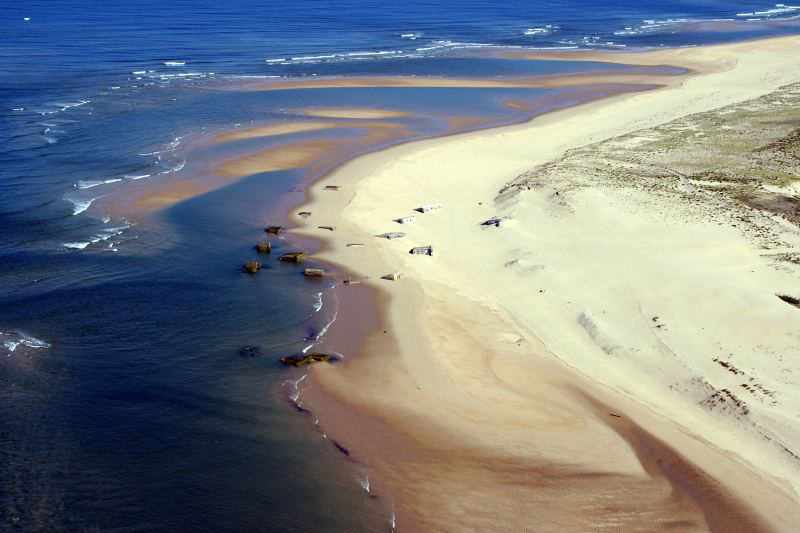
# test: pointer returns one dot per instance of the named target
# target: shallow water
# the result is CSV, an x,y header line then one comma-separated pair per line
x,y
126,404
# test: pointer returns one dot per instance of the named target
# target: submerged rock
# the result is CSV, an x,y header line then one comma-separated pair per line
x,y
252,267
264,247
250,351
274,230
307,359
314,272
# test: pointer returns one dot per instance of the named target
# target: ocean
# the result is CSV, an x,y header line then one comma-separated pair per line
x,y
127,402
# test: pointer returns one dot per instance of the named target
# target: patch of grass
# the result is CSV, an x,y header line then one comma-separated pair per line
x,y
791,300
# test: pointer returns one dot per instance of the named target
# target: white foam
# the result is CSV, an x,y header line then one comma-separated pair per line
x,y
541,30
318,303
295,385
276,60
174,63
76,245
80,204
137,176
14,340
68,105
104,235
88,184
139,72
313,58
176,168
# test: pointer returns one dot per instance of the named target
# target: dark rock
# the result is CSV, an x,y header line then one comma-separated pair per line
x,y
294,257
252,267
274,230
421,250
264,247
307,359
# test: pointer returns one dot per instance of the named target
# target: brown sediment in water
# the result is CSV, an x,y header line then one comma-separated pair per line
x,y
271,130
531,82
353,112
297,126
316,155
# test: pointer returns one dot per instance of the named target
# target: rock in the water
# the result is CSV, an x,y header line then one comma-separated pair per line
x,y
294,257
314,272
274,230
264,247
307,359
250,351
252,267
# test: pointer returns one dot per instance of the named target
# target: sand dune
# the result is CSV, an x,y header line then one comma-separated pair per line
x,y
560,372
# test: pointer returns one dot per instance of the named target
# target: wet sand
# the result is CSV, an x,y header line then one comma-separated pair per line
x,y
466,407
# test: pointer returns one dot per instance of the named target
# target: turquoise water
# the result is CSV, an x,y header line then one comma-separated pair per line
x,y
125,402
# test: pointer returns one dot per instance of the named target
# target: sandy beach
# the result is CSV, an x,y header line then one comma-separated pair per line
x,y
613,356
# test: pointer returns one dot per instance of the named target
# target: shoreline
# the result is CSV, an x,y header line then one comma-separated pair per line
x,y
329,383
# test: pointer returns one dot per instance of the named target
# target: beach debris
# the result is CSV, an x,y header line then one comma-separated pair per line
x,y
331,187
349,281
421,250
393,276
406,220
307,359
314,272
429,207
495,221
252,267
294,257
355,244
304,214
250,351
329,228
273,230
392,235
264,247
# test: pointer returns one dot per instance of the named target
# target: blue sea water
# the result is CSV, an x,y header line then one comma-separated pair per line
x,y
125,404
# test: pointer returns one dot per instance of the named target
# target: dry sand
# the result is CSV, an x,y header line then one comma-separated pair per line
x,y
519,380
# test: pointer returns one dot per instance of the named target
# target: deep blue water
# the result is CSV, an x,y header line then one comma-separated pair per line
x,y
125,404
